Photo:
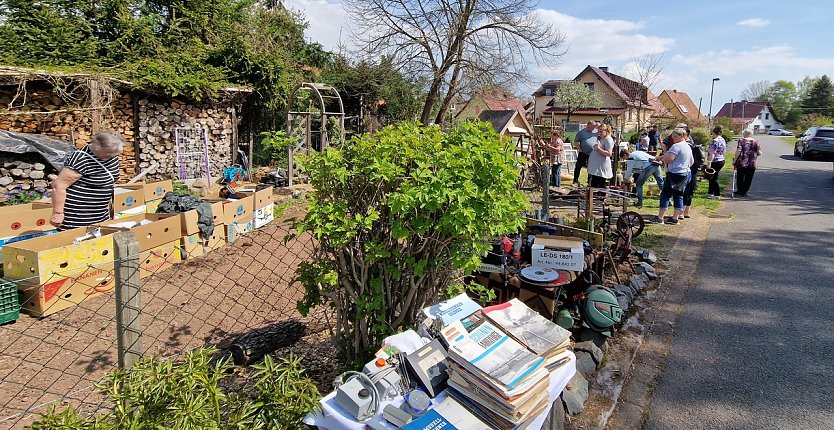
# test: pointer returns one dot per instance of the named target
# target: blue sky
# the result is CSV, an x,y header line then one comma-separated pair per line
x,y
739,42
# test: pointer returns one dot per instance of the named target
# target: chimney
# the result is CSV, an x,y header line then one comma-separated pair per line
x,y
604,69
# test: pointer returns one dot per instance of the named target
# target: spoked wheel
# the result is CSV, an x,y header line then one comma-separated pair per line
x,y
632,221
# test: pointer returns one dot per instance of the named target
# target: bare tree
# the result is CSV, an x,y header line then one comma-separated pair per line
x,y
455,43
756,91
647,73
574,95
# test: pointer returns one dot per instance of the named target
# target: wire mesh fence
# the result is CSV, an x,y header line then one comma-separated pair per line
x,y
85,319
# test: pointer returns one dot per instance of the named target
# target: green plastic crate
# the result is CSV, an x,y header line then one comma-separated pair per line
x,y
9,305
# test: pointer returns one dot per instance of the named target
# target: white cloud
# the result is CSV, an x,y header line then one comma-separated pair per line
x,y
754,22
327,21
599,42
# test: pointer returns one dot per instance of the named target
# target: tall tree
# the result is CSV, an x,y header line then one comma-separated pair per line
x,y
782,96
574,95
755,91
453,43
646,70
820,99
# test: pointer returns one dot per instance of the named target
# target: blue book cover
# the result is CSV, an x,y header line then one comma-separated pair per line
x,y
430,420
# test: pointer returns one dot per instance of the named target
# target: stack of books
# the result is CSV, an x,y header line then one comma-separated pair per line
x,y
500,360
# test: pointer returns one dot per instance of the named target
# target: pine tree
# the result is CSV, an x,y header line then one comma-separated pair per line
x,y
820,99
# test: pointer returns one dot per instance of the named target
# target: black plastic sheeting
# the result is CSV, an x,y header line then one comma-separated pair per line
x,y
173,203
54,151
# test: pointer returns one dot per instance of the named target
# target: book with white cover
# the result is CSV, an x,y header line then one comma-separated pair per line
x,y
493,353
456,308
541,335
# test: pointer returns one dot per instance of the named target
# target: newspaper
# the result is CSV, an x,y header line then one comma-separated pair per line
x,y
493,353
541,335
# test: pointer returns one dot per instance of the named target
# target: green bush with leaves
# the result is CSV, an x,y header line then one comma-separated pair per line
x,y
186,394
396,215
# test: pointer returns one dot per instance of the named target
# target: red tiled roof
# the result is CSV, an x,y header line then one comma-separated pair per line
x,y
502,101
679,98
750,111
625,88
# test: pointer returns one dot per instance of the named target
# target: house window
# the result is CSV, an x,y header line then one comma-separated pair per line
x,y
549,91
589,85
767,116
683,108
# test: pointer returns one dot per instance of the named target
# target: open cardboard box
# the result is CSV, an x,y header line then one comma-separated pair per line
x,y
126,199
47,259
239,210
151,235
24,219
160,258
60,294
188,220
152,190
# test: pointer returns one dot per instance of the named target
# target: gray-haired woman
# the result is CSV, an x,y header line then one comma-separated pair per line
x,y
83,192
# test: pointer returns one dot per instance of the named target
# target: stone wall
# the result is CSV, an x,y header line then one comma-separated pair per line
x,y
147,123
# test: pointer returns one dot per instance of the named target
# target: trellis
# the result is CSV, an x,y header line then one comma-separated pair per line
x,y
308,128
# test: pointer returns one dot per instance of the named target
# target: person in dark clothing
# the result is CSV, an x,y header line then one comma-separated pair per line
x,y
715,161
654,138
747,154
585,138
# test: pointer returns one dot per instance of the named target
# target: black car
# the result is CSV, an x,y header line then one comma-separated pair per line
x,y
815,141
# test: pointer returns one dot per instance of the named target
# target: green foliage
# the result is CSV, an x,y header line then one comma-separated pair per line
x,y
273,148
574,95
701,136
186,394
820,98
812,119
181,48
22,197
395,214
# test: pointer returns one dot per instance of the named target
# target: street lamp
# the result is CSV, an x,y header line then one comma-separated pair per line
x,y
709,116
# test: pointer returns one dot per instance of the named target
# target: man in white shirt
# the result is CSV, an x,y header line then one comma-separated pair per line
x,y
641,165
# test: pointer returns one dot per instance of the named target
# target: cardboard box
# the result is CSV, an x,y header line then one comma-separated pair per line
x,y
160,258
263,196
152,190
236,210
126,199
154,234
24,219
543,303
236,230
558,252
138,210
264,215
188,220
44,300
152,205
47,259
192,246
217,212
217,238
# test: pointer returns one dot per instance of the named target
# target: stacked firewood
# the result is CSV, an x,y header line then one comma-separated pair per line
x,y
18,177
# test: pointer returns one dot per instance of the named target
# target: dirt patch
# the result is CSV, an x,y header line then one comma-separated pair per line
x,y
209,300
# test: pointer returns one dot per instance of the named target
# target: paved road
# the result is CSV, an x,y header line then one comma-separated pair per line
x,y
754,347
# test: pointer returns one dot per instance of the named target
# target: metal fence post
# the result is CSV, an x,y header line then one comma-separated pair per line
x,y
128,299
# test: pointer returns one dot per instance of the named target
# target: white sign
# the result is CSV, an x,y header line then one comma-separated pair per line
x,y
490,268
564,260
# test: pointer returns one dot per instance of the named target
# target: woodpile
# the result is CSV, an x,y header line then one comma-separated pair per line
x,y
158,124
17,177
45,113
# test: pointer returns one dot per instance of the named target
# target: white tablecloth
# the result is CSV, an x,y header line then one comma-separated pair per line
x,y
333,417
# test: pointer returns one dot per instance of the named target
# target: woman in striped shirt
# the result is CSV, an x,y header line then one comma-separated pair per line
x,y
83,192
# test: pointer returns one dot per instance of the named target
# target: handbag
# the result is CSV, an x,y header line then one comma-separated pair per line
x,y
677,182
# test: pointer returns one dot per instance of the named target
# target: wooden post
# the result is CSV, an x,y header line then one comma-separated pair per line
x,y
128,299
545,215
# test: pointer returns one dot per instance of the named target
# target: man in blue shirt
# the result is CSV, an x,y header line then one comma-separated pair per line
x,y
586,138
642,165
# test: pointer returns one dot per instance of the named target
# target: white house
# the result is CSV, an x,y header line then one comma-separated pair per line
x,y
757,116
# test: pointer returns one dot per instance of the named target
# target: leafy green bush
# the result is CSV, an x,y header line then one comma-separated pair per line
x,y
812,119
396,215
701,136
186,394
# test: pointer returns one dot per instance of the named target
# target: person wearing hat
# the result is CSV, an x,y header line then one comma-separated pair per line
x,y
715,161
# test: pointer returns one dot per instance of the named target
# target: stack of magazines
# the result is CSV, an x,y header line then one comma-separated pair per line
x,y
500,360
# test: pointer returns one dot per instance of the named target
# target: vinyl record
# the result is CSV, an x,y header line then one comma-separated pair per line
x,y
539,274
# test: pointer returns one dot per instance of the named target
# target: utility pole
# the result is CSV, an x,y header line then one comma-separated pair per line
x,y
709,116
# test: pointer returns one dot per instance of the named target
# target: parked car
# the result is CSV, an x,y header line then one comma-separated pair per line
x,y
815,141
779,132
